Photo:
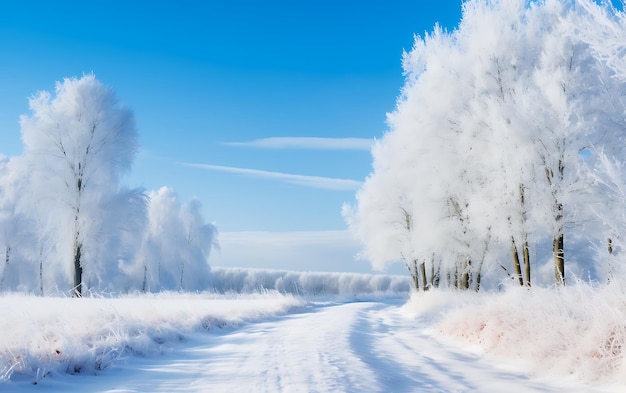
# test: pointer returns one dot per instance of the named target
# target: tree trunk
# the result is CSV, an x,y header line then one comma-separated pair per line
x,y
526,263
481,262
557,241
516,265
465,274
436,274
412,268
413,273
559,259
423,274
145,278
432,272
182,274
7,258
558,244
78,244
525,253
610,264
41,270
78,268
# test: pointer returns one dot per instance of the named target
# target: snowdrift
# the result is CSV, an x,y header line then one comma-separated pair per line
x,y
67,335
573,332
243,280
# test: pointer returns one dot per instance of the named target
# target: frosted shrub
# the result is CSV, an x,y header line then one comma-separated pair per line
x,y
578,330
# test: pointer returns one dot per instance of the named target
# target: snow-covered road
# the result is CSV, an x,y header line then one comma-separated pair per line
x,y
324,347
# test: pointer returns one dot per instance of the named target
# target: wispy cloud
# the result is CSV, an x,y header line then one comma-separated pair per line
x,y
301,180
307,143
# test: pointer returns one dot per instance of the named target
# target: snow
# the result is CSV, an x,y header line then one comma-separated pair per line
x,y
577,331
277,342
52,335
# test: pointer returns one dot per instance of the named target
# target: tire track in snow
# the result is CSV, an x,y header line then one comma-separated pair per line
x,y
300,353
307,351
404,357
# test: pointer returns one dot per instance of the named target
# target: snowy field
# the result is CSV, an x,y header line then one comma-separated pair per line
x,y
382,341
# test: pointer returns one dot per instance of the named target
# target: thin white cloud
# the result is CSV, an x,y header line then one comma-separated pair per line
x,y
308,143
301,180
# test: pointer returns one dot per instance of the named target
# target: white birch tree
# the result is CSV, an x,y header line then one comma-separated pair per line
x,y
176,245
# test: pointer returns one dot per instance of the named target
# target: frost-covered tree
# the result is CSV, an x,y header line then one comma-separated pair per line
x,y
15,226
66,223
116,231
200,238
76,143
406,166
488,146
603,28
8,216
176,245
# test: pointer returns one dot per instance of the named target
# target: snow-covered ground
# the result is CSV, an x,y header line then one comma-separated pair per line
x,y
323,347
267,342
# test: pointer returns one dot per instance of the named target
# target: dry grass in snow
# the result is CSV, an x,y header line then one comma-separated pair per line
x,y
43,335
577,331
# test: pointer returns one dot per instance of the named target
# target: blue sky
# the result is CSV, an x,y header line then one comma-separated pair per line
x,y
233,100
